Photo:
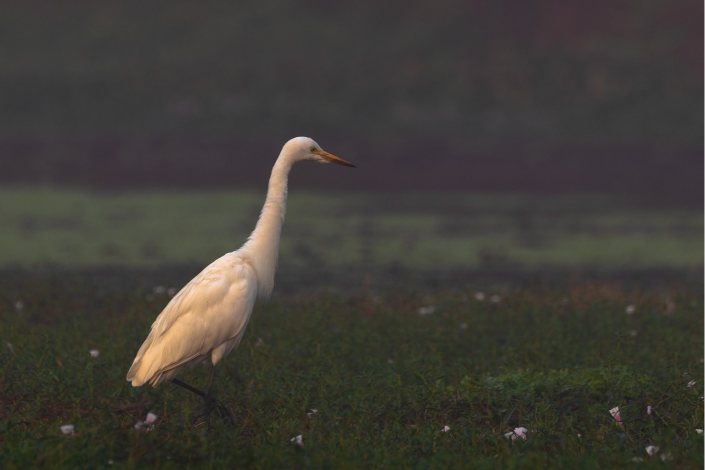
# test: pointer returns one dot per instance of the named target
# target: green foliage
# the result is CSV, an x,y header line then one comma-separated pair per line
x,y
384,378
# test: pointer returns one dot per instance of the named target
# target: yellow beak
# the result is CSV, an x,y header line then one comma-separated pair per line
x,y
330,158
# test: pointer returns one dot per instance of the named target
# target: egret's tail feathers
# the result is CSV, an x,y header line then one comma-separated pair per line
x,y
156,363
148,369
137,373
141,373
138,377
134,376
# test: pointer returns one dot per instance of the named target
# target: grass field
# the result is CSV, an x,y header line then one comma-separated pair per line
x,y
384,378
363,329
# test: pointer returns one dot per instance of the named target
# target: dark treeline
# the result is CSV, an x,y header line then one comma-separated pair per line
x,y
542,95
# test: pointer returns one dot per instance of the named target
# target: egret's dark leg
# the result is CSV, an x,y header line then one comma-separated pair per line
x,y
209,401
209,385
212,403
188,387
203,418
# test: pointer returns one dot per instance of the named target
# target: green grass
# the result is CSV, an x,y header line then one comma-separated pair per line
x,y
384,378
417,232
554,354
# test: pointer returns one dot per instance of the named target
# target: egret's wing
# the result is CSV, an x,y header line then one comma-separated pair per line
x,y
210,310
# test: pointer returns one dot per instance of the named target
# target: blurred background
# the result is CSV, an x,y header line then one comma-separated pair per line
x,y
490,135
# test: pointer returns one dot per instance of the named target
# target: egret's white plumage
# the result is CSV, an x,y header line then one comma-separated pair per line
x,y
208,317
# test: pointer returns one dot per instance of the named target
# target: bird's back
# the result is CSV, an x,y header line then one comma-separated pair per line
x,y
206,318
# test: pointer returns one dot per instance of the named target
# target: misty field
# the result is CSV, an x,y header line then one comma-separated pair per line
x,y
406,331
329,232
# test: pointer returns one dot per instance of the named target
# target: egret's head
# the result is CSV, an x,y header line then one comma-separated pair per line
x,y
305,148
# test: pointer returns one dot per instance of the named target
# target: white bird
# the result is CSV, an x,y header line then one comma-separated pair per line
x,y
206,319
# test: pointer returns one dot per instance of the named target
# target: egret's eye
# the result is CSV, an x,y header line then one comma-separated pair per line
x,y
313,149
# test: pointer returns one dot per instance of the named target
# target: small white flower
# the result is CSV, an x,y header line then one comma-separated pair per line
x,y
150,419
698,430
94,353
651,450
648,410
312,412
666,456
159,290
427,310
19,305
110,462
615,414
517,433
637,459
632,333
480,296
171,292
10,347
463,326
630,310
691,384
495,299
148,423
67,429
445,428
259,342
390,360
298,440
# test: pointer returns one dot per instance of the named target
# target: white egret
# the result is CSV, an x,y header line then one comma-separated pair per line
x,y
206,319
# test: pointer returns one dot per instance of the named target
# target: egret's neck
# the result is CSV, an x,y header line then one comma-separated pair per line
x,y
262,247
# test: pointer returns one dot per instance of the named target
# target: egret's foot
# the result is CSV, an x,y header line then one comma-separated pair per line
x,y
225,414
202,420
